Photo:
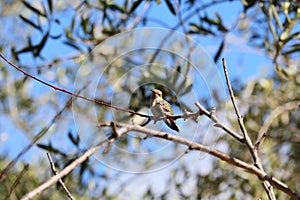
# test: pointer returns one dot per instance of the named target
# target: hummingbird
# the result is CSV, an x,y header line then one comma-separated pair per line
x,y
162,108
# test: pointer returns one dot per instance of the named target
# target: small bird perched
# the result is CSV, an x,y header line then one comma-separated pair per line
x,y
161,108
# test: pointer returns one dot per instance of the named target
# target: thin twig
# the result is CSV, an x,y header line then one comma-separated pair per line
x,y
17,181
139,17
247,140
71,166
125,128
214,118
273,115
237,112
260,173
38,136
60,181
68,92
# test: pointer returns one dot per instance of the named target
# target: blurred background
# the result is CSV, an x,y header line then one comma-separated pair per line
x,y
116,52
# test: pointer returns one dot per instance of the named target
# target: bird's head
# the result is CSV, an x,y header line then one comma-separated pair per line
x,y
156,92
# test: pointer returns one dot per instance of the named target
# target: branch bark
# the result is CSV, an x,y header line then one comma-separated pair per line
x,y
247,140
60,180
125,128
70,167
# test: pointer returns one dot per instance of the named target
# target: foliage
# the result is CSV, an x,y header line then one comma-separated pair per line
x,y
32,34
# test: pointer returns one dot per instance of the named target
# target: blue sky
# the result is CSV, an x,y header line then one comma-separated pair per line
x,y
244,63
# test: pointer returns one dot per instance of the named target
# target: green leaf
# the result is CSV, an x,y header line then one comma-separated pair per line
x,y
30,23
171,7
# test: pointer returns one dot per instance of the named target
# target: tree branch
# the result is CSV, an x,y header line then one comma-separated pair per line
x,y
247,140
60,181
71,166
273,115
218,124
17,181
260,173
38,136
125,128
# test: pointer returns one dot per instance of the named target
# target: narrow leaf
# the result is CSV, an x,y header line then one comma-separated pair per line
x,y
116,7
51,149
30,23
55,37
292,50
35,10
74,140
50,5
40,46
135,5
219,52
72,45
171,7
200,29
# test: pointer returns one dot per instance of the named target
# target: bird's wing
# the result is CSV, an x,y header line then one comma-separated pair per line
x,y
167,108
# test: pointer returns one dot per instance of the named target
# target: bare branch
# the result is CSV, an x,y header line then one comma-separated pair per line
x,y
139,17
68,92
218,124
71,166
247,140
60,181
260,173
237,112
17,181
38,136
125,128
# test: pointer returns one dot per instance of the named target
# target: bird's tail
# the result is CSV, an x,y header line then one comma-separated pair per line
x,y
172,124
